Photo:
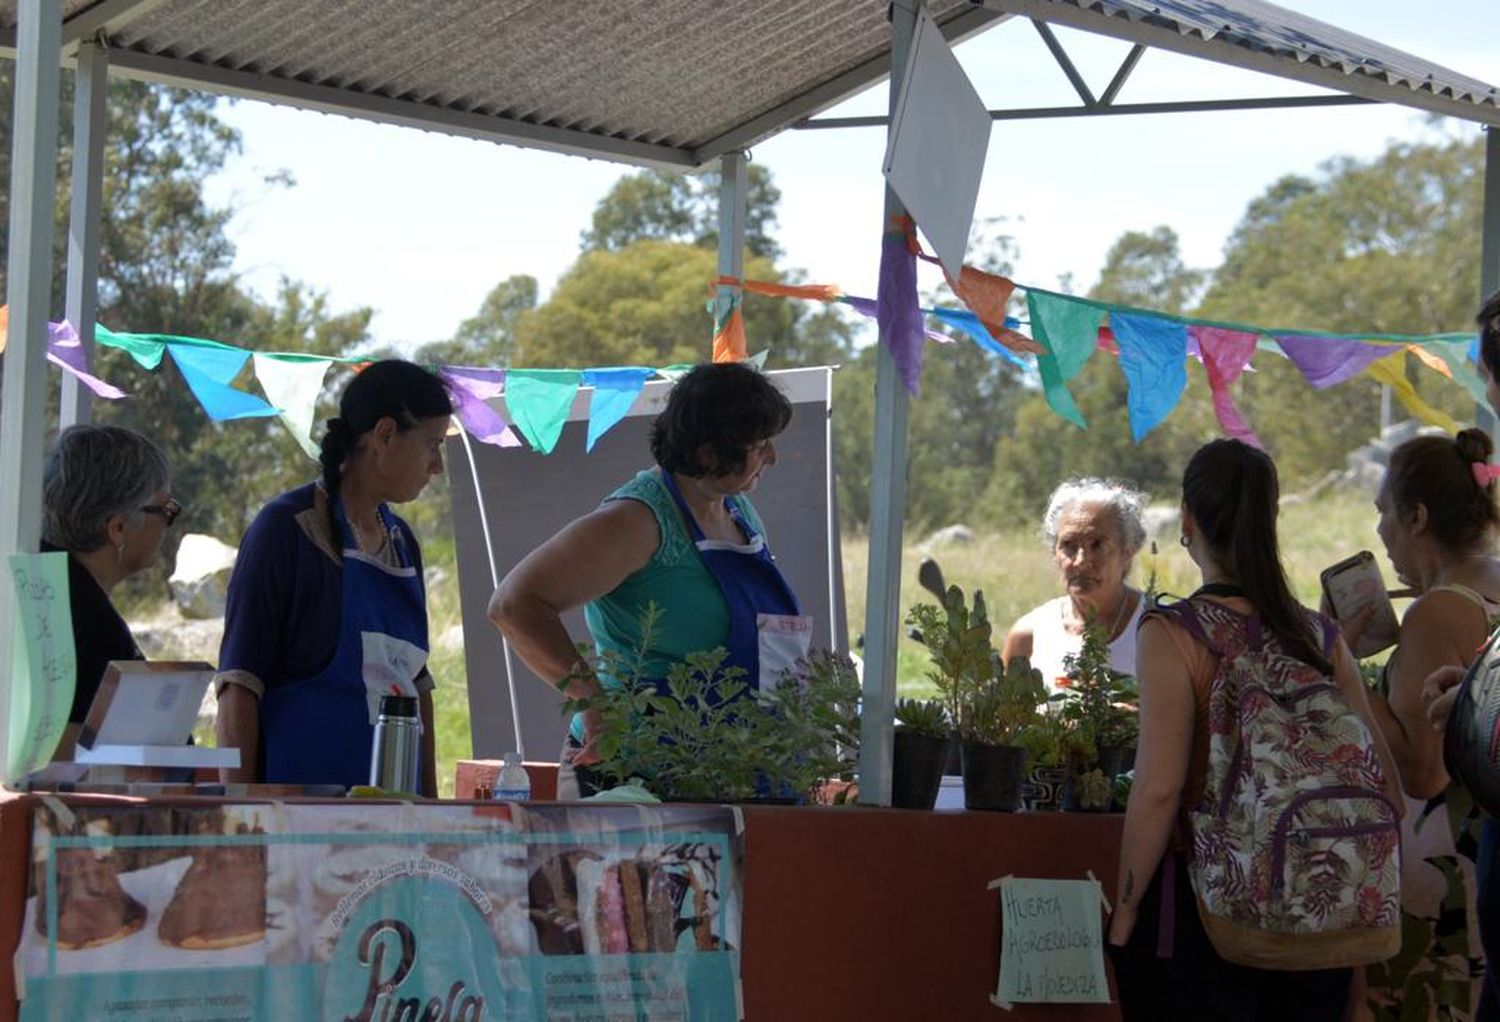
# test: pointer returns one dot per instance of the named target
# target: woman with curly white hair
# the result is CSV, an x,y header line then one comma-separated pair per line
x,y
1093,528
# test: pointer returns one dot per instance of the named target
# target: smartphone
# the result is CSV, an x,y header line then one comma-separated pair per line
x,y
1354,584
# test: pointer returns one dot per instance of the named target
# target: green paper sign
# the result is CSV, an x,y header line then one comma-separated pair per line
x,y
43,663
1051,943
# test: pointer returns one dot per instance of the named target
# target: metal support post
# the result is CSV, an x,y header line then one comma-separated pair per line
x,y
90,87
23,396
734,186
887,512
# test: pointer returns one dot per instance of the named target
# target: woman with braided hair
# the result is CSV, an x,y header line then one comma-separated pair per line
x,y
327,610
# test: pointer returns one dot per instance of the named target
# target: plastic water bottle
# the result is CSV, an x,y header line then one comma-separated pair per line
x,y
513,784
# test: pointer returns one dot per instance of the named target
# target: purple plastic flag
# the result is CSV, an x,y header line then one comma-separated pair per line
x,y
483,383
1153,357
1325,361
868,307
482,422
66,351
898,310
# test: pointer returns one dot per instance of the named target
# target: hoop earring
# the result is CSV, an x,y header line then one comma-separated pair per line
x,y
1185,540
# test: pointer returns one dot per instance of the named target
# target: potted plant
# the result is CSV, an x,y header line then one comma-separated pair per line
x,y
1050,740
1101,705
921,752
988,705
704,736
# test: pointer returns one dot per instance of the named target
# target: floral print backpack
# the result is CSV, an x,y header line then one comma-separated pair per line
x,y
1294,848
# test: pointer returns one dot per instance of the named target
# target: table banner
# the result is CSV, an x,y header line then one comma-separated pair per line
x,y
382,913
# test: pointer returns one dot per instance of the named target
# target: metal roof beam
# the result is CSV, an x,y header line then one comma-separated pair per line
x,y
1064,61
326,99
969,22
1118,81
1198,106
1221,51
106,17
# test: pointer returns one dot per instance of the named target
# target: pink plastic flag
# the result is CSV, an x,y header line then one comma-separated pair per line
x,y
1226,354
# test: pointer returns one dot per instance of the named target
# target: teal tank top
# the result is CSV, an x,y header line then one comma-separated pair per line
x,y
693,616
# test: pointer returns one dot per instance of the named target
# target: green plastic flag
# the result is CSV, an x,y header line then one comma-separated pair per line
x,y
539,401
146,349
44,665
293,384
1068,331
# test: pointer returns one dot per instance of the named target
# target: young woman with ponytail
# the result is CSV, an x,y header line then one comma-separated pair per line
x,y
1166,966
327,610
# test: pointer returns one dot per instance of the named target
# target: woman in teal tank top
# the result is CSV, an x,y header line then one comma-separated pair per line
x,y
682,537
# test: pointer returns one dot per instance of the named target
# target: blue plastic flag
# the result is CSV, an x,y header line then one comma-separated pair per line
x,y
968,324
615,390
1153,357
208,372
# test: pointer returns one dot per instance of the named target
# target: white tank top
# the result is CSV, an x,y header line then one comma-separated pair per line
x,y
1051,641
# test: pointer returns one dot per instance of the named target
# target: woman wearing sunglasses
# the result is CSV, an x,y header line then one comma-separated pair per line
x,y
105,501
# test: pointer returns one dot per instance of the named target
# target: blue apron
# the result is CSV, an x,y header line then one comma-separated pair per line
x,y
320,730
759,599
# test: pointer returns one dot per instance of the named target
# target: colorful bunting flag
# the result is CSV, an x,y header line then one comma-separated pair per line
x,y
1225,355
898,311
1391,371
1068,331
470,392
209,372
1325,361
1153,357
65,350
539,401
729,337
293,383
615,391
146,349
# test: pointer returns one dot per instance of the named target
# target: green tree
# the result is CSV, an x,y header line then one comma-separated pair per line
x,y
656,205
488,337
1386,245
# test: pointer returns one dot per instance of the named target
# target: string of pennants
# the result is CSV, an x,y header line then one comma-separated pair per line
x,y
1152,348
538,400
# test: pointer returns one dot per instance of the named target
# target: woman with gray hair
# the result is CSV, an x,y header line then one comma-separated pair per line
x,y
1093,528
105,501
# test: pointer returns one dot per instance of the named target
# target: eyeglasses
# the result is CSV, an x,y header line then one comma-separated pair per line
x,y
170,510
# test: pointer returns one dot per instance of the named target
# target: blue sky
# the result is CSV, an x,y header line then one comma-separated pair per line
x,y
419,226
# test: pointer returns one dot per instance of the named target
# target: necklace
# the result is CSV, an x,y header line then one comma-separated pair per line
x,y
1119,615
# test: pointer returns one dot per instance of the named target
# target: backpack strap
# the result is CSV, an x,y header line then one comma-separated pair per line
x,y
1198,617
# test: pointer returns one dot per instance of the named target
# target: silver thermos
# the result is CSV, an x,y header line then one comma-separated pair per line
x,y
396,756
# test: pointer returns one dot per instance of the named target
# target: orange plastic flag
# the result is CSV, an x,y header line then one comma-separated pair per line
x,y
729,342
1430,360
814,292
986,295
4,325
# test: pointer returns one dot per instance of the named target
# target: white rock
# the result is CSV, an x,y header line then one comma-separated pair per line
x,y
960,535
1161,521
200,582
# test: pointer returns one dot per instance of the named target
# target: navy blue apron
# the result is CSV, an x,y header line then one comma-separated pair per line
x,y
767,630
319,730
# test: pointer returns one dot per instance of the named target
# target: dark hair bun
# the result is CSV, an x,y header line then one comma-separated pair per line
x,y
1475,445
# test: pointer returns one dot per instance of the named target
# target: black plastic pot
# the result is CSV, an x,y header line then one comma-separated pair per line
x,y
1046,788
917,770
993,775
1114,760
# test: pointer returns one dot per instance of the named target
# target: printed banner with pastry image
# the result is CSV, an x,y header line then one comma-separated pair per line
x,y
383,911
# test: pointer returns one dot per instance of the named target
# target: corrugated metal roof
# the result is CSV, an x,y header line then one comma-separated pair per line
x,y
666,82
1273,39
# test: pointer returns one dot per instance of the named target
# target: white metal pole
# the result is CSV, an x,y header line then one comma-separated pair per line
x,y
90,87
887,510
734,184
23,396
1489,248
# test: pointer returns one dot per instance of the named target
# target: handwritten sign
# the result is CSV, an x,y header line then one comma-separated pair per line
x,y
44,667
1051,944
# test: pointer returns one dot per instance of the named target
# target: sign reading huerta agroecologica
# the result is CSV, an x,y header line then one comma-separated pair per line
x,y
1051,943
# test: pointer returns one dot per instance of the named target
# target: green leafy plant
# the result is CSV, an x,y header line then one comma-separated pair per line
x,y
924,717
706,736
1049,739
988,703
1101,702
